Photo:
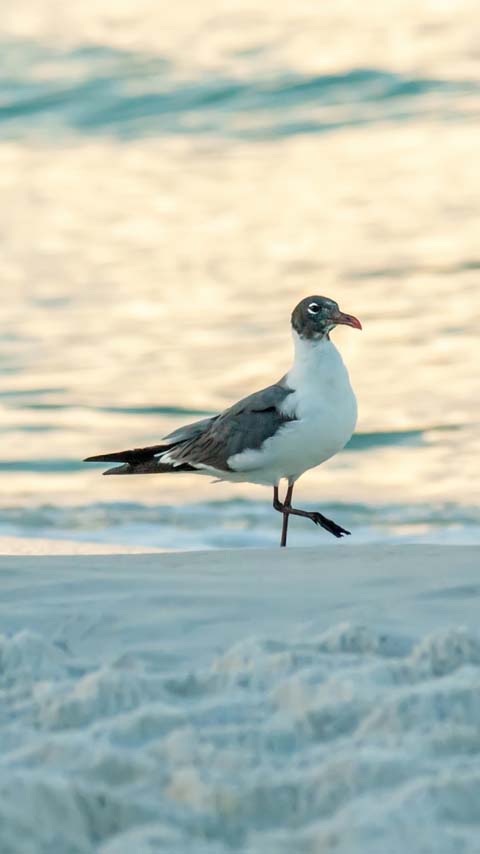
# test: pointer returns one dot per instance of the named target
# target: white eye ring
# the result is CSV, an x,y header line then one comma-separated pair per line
x,y
313,308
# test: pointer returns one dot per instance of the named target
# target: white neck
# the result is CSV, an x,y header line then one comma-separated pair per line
x,y
309,354
318,364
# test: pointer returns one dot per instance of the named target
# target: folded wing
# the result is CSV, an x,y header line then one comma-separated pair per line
x,y
209,443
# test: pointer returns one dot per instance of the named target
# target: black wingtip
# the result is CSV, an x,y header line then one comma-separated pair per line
x,y
117,457
133,456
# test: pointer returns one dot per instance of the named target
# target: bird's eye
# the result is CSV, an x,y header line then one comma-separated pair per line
x,y
313,308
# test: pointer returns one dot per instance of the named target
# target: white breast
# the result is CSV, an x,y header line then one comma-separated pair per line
x,y
325,411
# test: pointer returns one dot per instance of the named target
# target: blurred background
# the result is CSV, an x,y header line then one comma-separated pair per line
x,y
174,178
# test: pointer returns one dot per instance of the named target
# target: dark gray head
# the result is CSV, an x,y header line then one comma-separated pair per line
x,y
315,317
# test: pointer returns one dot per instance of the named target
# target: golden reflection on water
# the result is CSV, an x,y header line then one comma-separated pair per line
x,y
164,273
433,37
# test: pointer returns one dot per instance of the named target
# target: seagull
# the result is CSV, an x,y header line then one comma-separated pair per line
x,y
274,434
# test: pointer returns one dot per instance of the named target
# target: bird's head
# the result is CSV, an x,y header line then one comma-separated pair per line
x,y
314,317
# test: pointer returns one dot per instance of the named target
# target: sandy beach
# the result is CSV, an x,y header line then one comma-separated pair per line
x,y
175,179
263,701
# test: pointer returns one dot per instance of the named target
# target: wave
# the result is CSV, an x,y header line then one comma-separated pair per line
x,y
101,90
237,522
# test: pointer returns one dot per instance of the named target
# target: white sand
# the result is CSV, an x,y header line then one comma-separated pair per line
x,y
258,701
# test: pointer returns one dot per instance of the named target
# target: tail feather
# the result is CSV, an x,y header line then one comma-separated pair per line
x,y
140,461
152,466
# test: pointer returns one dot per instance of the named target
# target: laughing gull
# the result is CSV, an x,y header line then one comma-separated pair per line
x,y
276,433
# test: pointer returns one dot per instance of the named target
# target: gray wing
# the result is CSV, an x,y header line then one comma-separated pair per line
x,y
188,431
244,426
210,441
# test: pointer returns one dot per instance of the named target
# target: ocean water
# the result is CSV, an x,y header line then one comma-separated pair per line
x,y
172,185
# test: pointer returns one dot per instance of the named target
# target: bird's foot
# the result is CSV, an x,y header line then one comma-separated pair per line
x,y
328,524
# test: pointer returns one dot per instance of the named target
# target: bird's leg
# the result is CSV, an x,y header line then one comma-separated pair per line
x,y
284,509
317,518
277,504
286,504
321,520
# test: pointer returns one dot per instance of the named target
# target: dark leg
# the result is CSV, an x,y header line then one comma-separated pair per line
x,y
321,520
316,517
283,508
287,503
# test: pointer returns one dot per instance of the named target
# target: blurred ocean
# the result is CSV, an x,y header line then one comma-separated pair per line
x,y
173,181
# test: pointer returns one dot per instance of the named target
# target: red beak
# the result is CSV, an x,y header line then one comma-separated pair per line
x,y
347,320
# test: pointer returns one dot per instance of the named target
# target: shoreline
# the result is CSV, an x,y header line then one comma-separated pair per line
x,y
12,545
